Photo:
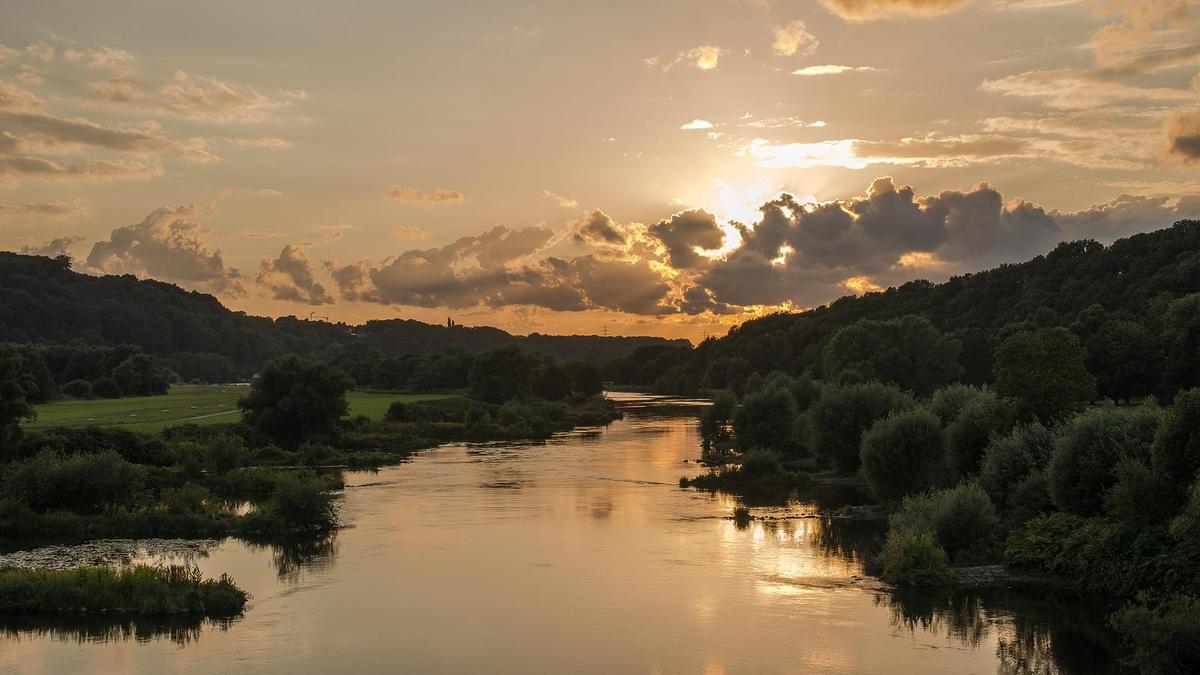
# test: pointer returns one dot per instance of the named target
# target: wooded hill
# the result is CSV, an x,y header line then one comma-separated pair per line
x,y
1135,298
43,301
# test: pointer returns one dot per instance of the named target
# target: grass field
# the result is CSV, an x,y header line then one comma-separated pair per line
x,y
186,403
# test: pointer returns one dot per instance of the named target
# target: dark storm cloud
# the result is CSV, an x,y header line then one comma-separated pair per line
x,y
599,230
1183,134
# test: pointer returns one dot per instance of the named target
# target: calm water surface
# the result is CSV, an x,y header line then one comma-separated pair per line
x,y
578,555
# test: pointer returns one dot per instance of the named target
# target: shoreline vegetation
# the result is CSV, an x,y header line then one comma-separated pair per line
x,y
140,590
1027,482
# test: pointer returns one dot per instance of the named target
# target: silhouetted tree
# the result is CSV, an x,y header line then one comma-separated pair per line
x,y
1044,371
294,400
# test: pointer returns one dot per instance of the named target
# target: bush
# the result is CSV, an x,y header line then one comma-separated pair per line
x,y
294,400
106,387
961,519
766,419
300,503
1089,448
902,453
81,389
1163,640
1030,497
843,412
948,401
1044,371
86,483
914,559
969,433
1009,459
1176,449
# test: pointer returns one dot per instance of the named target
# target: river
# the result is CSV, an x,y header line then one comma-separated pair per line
x,y
580,554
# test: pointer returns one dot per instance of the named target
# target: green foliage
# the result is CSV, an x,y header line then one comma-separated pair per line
x,y
1176,449
757,474
973,428
914,559
13,405
1139,496
1125,358
908,352
948,401
961,519
902,453
107,387
843,412
294,400
81,389
1163,639
585,378
141,590
766,419
1030,498
1181,335
138,376
553,382
301,502
1044,371
503,373
1010,459
1088,449
85,483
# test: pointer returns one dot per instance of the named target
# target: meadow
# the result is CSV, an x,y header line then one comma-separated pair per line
x,y
186,403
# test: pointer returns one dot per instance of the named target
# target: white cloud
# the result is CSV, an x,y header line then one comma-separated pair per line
x,y
810,71
794,38
697,124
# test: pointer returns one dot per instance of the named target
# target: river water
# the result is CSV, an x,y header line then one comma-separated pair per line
x,y
580,554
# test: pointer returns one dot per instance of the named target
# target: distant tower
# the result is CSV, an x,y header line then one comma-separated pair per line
x,y
449,322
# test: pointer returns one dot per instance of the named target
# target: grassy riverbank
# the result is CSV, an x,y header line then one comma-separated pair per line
x,y
141,591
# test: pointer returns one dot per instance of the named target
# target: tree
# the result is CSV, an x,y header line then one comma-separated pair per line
x,y
106,387
138,376
13,405
902,454
844,412
503,373
766,420
553,382
1044,371
1181,335
908,352
585,378
1088,450
294,400
1176,449
1125,358
973,428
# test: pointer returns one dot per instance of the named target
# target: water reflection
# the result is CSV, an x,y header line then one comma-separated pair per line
x,y
181,630
1036,632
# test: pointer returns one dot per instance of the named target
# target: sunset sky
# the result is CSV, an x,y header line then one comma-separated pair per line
x,y
574,167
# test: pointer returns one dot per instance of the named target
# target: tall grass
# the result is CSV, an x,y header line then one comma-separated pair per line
x,y
140,590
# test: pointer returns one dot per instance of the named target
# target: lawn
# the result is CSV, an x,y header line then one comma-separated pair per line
x,y
186,403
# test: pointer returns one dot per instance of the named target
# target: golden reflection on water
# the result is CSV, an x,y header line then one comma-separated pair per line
x,y
581,554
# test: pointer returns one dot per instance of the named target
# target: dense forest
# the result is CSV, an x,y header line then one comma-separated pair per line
x,y
42,301
1132,304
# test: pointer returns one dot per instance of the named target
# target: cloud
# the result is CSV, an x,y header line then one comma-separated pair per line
x,y
116,89
811,71
14,169
598,229
40,50
409,233
259,143
38,210
685,233
407,195
1183,135
1067,89
30,75
8,54
208,99
53,135
166,245
54,247
289,277
105,58
565,202
851,153
1126,215
871,10
780,123
794,38
14,99
704,57
697,124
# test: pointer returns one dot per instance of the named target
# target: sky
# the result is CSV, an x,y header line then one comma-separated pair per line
x,y
652,167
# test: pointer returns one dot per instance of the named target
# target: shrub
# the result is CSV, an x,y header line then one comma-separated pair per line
x,y
106,387
1009,459
1030,497
1044,371
969,433
300,503
766,419
1089,448
843,412
85,483
902,453
294,400
81,389
142,589
961,519
1163,640
1176,449
914,559
948,401
1139,497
